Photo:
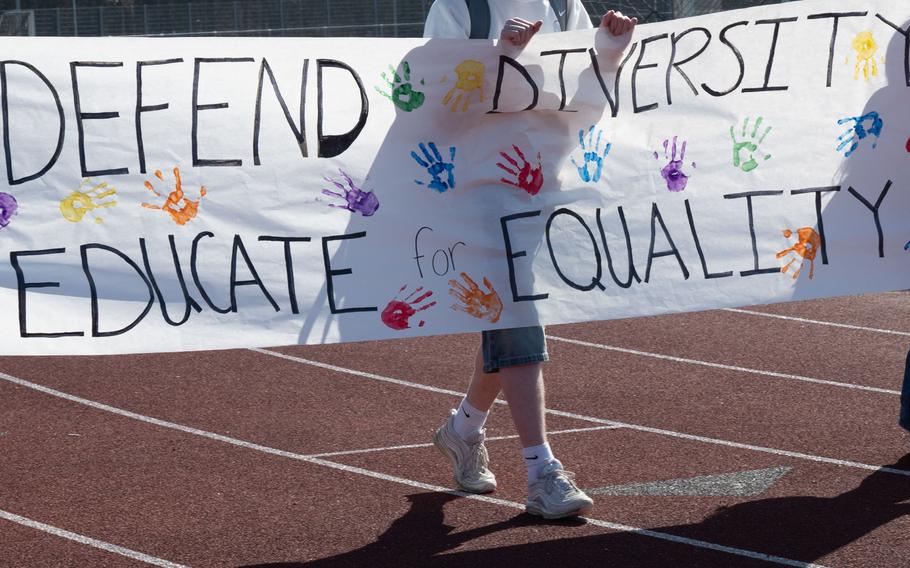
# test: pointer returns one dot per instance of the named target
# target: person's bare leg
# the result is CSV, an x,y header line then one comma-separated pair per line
x,y
523,388
484,387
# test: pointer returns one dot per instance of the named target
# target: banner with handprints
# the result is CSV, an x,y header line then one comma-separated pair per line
x,y
207,193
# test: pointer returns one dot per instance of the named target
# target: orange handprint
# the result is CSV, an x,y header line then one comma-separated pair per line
x,y
176,205
474,301
807,246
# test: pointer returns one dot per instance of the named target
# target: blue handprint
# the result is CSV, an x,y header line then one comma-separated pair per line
x,y
436,167
593,159
858,131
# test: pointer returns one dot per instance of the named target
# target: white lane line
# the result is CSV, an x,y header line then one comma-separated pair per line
x,y
384,477
82,539
819,322
722,366
430,444
595,420
408,384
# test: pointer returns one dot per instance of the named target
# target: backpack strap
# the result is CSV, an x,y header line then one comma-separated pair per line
x,y
562,13
480,18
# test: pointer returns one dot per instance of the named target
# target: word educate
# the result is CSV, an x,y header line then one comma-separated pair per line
x,y
331,145
240,254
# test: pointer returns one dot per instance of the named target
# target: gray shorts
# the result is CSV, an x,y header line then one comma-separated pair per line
x,y
515,346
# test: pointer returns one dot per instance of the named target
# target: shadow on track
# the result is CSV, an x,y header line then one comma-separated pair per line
x,y
800,528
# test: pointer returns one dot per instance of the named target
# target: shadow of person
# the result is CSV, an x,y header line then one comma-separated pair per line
x,y
869,207
804,529
867,217
445,173
414,539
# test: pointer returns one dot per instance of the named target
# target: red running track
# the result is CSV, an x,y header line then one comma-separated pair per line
x,y
320,456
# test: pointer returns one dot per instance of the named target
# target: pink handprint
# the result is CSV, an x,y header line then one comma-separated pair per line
x,y
397,314
527,178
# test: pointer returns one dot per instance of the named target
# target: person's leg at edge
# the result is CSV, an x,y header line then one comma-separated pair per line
x,y
905,397
461,437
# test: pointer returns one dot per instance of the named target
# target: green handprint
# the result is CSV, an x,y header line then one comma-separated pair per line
x,y
402,93
749,146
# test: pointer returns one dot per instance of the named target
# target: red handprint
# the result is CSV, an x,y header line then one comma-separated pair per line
x,y
397,314
527,178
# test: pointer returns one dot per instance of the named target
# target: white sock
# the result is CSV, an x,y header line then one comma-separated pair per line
x,y
468,420
536,457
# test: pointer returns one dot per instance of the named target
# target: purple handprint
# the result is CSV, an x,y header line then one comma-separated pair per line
x,y
436,167
356,199
672,172
8,207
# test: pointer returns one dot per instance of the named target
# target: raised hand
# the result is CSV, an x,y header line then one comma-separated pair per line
x,y
527,177
616,23
519,31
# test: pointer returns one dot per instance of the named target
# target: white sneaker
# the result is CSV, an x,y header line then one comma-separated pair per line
x,y
554,495
469,458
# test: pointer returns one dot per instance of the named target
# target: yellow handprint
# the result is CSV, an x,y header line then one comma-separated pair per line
x,y
865,47
86,198
469,79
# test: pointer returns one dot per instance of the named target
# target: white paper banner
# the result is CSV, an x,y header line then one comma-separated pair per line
x,y
183,194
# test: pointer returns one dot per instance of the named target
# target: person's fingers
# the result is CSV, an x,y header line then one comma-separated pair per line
x,y
532,30
619,23
606,18
523,36
508,35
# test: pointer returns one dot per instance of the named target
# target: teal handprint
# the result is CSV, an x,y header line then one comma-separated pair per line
x,y
745,148
401,92
591,166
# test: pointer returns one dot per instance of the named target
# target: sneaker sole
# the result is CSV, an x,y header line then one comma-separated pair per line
x,y
451,457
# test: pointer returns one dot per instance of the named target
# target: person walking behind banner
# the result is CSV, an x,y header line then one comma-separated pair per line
x,y
509,360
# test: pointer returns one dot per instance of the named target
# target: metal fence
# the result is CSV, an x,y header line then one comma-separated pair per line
x,y
364,18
